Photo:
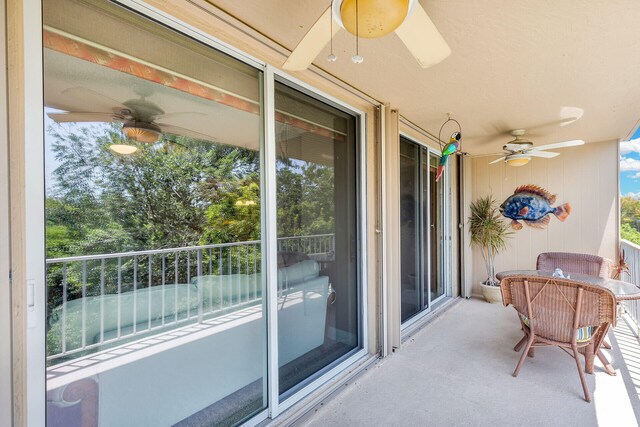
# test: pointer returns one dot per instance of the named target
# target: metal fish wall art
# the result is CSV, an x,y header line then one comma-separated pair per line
x,y
531,204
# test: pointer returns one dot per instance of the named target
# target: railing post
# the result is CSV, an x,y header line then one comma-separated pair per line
x,y
199,283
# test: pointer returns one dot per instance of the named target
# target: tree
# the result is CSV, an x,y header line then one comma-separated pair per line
x,y
159,197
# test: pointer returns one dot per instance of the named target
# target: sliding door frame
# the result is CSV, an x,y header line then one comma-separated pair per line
x,y
425,149
361,186
35,212
6,381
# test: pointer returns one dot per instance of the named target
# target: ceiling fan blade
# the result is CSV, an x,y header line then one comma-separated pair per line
x,y
175,115
562,144
312,43
473,156
422,38
84,117
498,160
177,130
100,101
545,154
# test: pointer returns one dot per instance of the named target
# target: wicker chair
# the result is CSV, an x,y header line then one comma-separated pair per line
x,y
591,265
561,312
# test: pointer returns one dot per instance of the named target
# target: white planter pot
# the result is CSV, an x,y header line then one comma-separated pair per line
x,y
491,293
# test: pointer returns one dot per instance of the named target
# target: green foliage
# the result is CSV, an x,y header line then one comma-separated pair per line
x,y
627,232
158,197
630,219
305,199
488,231
629,209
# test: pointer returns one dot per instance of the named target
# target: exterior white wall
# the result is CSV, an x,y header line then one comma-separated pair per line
x,y
585,176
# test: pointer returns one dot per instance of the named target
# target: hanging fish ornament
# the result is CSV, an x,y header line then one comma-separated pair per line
x,y
449,149
532,205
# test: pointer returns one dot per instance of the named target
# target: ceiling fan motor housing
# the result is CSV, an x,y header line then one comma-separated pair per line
x,y
142,131
375,18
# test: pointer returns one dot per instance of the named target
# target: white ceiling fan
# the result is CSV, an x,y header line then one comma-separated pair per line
x,y
372,19
520,151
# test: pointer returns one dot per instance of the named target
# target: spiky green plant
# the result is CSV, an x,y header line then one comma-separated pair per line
x,y
489,232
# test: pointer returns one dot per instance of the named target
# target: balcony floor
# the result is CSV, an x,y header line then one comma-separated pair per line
x,y
457,371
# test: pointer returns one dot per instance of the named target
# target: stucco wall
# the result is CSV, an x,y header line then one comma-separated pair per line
x,y
585,176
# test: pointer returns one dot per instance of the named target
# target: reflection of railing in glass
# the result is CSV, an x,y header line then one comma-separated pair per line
x,y
99,301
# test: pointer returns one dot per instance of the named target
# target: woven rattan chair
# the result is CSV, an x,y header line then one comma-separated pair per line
x,y
560,312
591,265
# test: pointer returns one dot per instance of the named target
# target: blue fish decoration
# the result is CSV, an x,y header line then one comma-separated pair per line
x,y
532,205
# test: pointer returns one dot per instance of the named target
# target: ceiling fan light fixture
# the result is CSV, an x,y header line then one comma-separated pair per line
x,y
123,149
517,160
376,18
142,132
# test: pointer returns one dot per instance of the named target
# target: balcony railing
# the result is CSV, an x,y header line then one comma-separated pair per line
x,y
100,301
632,258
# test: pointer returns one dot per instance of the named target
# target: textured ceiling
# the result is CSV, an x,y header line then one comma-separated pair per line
x,y
515,63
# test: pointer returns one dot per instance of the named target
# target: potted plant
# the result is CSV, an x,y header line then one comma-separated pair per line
x,y
489,232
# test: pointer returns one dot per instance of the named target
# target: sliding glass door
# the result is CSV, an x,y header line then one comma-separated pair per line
x,y
318,292
422,230
159,305
155,308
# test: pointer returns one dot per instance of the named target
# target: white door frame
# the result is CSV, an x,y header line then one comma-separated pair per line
x,y
6,383
33,289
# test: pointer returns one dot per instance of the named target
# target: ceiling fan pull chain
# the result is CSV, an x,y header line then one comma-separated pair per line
x,y
331,57
357,59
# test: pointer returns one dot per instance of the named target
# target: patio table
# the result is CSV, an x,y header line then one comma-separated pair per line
x,y
623,291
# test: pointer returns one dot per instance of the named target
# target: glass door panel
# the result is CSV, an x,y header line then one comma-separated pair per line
x,y
410,241
318,293
436,223
153,239
421,229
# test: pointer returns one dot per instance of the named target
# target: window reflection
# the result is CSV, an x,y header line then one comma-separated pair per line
x,y
153,240
316,201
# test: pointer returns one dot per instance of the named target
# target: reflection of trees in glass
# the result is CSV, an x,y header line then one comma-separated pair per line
x,y
169,194
305,198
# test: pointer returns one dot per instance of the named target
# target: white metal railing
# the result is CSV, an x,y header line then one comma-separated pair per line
x,y
98,301
632,258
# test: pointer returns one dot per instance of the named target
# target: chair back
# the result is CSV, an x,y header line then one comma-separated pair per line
x,y
591,265
556,308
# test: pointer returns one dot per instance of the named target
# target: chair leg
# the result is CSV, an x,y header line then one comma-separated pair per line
x,y
520,344
524,354
583,380
589,357
531,352
606,363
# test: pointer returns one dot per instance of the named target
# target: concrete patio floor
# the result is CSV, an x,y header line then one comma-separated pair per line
x,y
457,370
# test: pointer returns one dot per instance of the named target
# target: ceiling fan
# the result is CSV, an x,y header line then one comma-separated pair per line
x,y
519,151
139,117
372,19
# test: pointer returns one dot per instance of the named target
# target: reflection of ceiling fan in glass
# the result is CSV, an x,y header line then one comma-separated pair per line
x,y
519,151
372,19
140,117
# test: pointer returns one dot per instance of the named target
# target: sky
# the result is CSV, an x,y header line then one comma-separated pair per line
x,y
630,166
